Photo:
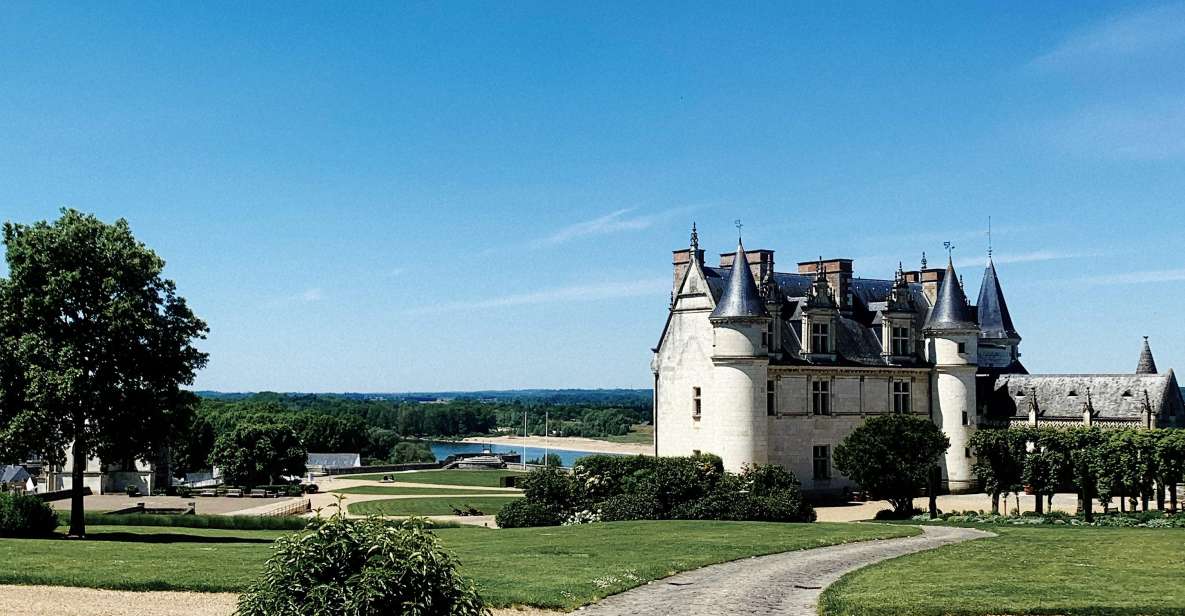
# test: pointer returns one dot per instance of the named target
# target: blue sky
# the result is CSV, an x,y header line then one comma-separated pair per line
x,y
450,195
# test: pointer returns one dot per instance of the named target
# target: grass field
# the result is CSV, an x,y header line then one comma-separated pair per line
x,y
559,567
488,505
1069,571
485,479
640,433
411,491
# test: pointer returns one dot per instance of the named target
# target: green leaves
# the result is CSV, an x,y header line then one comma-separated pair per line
x,y
892,456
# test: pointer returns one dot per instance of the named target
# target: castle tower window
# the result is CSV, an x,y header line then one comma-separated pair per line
x,y
901,395
822,459
771,399
901,341
962,347
820,337
697,403
821,397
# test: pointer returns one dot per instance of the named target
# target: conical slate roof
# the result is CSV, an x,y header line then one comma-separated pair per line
x,y
1147,365
741,299
994,320
951,312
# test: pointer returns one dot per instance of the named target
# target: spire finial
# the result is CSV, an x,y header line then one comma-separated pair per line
x,y
738,224
694,240
950,251
923,259
989,234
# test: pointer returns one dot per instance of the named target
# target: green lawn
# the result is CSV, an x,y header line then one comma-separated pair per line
x,y
559,567
489,505
1069,571
409,491
640,433
485,479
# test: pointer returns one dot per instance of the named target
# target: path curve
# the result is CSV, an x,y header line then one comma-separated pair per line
x,y
786,584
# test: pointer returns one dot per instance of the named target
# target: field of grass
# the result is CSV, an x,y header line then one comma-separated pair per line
x,y
1026,570
553,567
640,433
408,491
488,505
485,479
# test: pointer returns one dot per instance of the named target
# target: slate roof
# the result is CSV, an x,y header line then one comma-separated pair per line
x,y
13,474
951,311
994,319
334,460
1146,365
1112,396
741,299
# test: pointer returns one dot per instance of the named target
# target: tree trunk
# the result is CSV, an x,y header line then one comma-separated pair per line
x,y
1144,500
932,492
1087,504
1122,503
995,503
1173,496
1039,503
1049,502
77,475
1159,496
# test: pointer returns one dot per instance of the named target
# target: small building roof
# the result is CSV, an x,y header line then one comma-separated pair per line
x,y
334,460
13,474
741,299
1147,365
994,319
1113,396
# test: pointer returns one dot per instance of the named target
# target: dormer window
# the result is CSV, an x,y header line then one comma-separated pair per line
x,y
901,341
820,337
1072,393
1127,394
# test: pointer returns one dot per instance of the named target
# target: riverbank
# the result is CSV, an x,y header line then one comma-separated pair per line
x,y
567,443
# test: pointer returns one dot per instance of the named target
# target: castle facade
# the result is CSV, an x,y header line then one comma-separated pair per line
x,y
761,366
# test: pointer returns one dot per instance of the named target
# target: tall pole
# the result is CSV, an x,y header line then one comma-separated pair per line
x,y
546,434
524,458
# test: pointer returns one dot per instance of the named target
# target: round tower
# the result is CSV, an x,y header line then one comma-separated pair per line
x,y
952,336
736,400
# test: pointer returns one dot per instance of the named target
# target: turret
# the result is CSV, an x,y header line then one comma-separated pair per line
x,y
952,336
1147,365
740,355
999,344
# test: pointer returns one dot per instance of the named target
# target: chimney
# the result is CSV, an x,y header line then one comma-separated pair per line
x,y
682,261
931,279
839,278
761,262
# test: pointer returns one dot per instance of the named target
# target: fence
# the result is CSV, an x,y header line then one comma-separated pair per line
x,y
300,507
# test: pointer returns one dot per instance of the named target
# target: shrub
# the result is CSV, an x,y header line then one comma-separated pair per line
x,y
184,491
225,522
361,568
552,488
893,514
628,507
25,516
785,506
523,513
132,491
309,488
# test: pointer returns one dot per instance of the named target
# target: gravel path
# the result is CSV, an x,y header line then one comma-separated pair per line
x,y
787,584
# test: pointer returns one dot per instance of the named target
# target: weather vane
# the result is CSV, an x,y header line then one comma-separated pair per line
x,y
737,222
989,237
950,249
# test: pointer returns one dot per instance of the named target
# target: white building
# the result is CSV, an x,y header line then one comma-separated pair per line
x,y
780,372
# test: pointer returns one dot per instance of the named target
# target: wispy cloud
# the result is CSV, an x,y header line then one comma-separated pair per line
x,y
312,295
1141,277
1121,37
556,295
1146,130
613,222
1025,257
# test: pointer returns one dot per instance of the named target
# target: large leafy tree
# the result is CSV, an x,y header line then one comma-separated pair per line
x,y
1170,461
94,346
999,461
256,453
892,457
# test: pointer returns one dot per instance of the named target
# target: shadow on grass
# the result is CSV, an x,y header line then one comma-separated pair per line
x,y
172,538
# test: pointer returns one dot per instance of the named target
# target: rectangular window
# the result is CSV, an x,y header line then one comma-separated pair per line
x,y
967,452
901,401
820,338
822,462
900,342
771,400
821,397
697,403
964,418
962,347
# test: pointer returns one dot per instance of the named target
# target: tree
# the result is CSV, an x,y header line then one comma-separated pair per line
x,y
254,453
190,449
891,456
94,346
406,452
1170,462
1040,475
1135,457
999,461
1074,456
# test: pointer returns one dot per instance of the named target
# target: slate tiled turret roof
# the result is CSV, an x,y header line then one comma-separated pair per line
x,y
951,311
1147,365
994,319
741,299
1114,397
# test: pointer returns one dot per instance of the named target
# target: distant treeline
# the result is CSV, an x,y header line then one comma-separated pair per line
x,y
379,428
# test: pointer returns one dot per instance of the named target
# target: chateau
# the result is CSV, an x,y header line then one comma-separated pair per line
x,y
761,366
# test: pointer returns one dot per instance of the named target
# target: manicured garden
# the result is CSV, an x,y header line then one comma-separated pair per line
x,y
487,505
1073,571
486,479
560,567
